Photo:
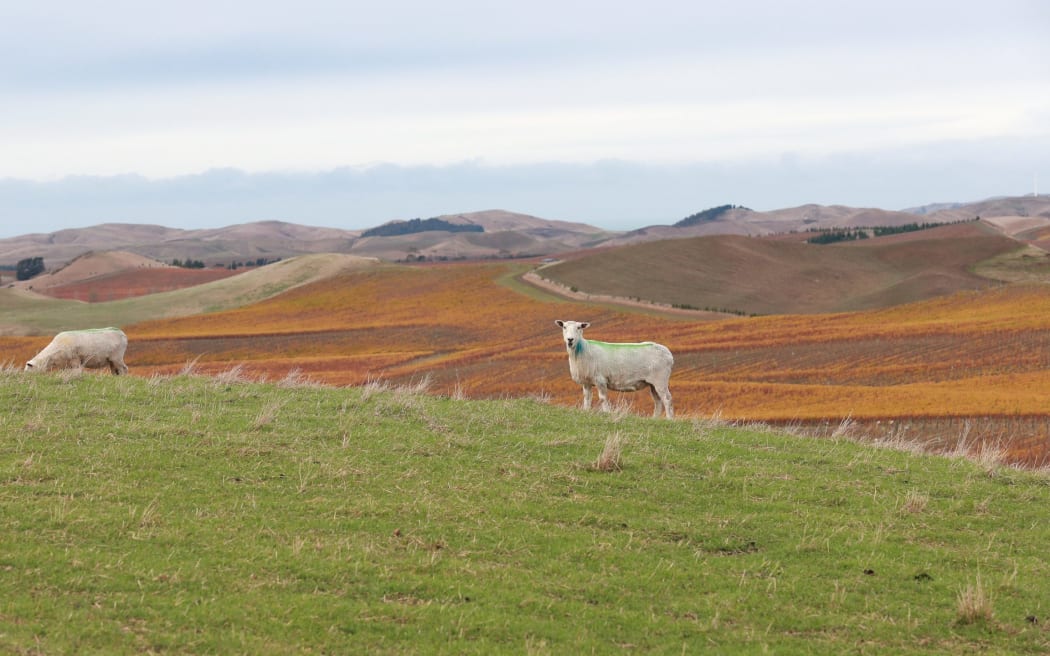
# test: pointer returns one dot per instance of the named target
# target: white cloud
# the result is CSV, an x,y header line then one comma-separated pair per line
x,y
116,87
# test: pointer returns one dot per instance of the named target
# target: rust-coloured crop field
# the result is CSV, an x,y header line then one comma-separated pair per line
x,y
973,365
136,282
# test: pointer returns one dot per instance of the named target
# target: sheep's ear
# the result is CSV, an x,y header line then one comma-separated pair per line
x,y
561,324
584,324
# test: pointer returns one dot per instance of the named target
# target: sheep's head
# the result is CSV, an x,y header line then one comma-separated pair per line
x,y
572,332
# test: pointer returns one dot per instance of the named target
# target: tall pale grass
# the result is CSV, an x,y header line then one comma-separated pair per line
x,y
611,457
974,604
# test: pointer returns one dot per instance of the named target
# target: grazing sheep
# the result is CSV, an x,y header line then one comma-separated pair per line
x,y
92,349
620,367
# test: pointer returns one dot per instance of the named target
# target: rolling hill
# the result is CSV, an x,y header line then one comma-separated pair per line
x,y
25,312
505,234
188,515
114,275
747,222
767,276
733,220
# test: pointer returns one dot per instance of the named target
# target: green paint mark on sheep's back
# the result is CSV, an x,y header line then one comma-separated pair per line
x,y
94,330
616,345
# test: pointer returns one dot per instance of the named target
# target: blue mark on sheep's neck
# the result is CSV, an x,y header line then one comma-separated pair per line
x,y
579,347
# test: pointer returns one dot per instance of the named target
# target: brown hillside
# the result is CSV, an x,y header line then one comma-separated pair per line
x,y
763,276
269,240
131,283
502,221
63,246
506,234
92,264
742,221
1016,206
114,275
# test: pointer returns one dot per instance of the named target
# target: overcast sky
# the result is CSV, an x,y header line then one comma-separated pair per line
x,y
350,114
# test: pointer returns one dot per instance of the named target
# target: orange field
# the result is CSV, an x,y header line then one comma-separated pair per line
x,y
975,363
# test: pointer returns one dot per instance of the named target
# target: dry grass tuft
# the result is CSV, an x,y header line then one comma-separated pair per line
x,y
620,409
703,425
991,457
157,379
296,378
190,367
845,429
541,397
611,458
974,605
69,375
268,414
915,502
372,387
457,393
232,375
417,387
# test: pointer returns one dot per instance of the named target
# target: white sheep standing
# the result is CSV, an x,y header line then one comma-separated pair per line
x,y
623,367
93,349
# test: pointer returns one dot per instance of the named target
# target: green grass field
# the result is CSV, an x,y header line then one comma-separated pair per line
x,y
217,515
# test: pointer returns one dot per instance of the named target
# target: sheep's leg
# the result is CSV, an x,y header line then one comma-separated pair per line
x,y
665,396
586,397
658,404
604,396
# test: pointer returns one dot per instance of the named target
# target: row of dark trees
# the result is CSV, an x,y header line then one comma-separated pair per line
x,y
259,261
197,264
188,263
29,268
834,235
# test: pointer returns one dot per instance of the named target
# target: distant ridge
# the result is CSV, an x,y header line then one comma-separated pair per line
x,y
924,210
472,235
493,233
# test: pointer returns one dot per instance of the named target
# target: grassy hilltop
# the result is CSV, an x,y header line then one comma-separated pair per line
x,y
187,514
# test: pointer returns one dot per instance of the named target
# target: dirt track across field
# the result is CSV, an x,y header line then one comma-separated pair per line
x,y
536,280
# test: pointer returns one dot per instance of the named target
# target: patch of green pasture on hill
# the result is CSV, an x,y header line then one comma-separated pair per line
x,y
195,515
23,314
512,280
1027,264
